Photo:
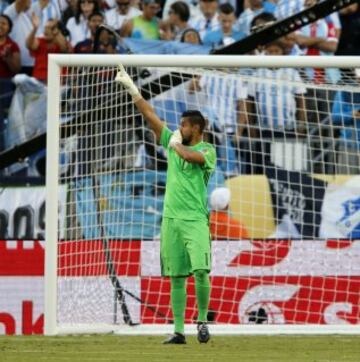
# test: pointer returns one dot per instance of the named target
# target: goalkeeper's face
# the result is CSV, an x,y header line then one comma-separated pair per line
x,y
188,131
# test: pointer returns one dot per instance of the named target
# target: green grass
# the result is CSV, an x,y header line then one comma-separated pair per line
x,y
145,348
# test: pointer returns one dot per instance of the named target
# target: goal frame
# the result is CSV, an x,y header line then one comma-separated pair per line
x,y
52,164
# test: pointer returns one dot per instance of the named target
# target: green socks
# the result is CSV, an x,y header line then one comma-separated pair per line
x,y
178,298
178,302
202,288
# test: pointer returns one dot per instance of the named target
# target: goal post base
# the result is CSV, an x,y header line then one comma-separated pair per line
x,y
216,329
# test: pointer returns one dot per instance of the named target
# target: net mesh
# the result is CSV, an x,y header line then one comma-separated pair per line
x,y
285,248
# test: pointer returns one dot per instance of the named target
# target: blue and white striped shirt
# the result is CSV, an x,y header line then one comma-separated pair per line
x,y
274,91
49,12
203,25
245,19
223,92
286,8
3,5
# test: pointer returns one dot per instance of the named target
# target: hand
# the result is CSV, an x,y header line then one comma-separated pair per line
x,y
124,79
35,20
166,34
175,139
302,41
7,55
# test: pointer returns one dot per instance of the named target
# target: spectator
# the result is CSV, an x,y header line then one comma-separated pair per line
x,y
179,15
107,43
191,36
259,22
290,89
9,65
87,45
146,25
346,116
9,50
256,7
19,13
192,5
77,25
70,10
350,35
207,20
289,41
45,10
224,104
226,35
40,47
279,105
317,38
222,225
123,11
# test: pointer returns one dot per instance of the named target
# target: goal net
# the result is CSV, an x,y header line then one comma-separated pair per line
x,y
284,200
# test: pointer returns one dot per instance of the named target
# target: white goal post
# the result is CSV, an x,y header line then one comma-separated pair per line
x,y
101,273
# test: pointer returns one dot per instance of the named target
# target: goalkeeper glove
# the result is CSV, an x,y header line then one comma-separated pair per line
x,y
124,79
175,139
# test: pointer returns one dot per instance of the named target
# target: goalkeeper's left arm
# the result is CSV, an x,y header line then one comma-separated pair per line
x,y
186,153
155,123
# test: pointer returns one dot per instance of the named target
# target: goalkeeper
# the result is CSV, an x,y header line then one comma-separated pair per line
x,y
185,236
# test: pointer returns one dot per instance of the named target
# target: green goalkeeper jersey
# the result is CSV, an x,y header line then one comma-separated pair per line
x,y
186,183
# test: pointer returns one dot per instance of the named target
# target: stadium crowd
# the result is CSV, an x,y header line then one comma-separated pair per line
x,y
32,29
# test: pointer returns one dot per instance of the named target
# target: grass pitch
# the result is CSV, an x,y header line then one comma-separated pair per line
x,y
145,348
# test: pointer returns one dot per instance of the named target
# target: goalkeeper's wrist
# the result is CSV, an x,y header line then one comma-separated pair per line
x,y
136,97
173,144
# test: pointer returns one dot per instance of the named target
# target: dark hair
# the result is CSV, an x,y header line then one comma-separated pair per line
x,y
57,23
78,9
276,42
190,30
265,17
148,2
10,23
96,13
195,118
226,9
181,9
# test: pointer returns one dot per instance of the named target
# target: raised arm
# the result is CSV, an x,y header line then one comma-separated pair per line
x,y
32,42
142,105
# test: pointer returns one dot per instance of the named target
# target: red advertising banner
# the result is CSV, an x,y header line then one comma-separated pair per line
x,y
262,281
268,299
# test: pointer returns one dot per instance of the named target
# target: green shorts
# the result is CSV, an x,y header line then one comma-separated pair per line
x,y
185,247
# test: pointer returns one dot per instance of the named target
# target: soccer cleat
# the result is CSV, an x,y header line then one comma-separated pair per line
x,y
203,332
176,338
